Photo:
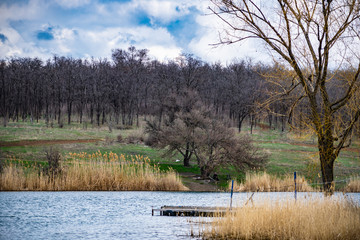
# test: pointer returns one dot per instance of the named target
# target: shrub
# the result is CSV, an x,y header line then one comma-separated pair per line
x,y
150,141
53,167
135,137
119,138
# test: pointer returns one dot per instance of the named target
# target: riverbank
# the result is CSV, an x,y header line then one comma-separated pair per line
x,y
288,152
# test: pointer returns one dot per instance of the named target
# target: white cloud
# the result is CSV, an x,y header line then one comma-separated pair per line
x,y
158,41
165,10
17,46
108,25
72,3
21,11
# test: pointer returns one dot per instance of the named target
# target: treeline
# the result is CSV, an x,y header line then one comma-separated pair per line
x,y
117,92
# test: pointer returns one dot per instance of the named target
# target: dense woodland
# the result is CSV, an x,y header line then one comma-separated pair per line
x,y
117,92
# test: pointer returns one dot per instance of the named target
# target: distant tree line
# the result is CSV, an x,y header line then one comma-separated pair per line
x,y
117,92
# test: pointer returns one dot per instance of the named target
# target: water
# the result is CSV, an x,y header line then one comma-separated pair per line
x,y
108,215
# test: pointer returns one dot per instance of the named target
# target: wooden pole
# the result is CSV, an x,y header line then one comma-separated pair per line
x,y
295,184
232,188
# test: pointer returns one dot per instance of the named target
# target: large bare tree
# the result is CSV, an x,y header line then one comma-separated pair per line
x,y
309,38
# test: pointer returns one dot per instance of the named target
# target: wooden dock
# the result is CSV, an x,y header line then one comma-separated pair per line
x,y
187,211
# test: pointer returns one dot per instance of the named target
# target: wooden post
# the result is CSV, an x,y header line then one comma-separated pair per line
x,y
295,184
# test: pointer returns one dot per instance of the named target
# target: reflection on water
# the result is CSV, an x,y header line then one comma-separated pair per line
x,y
109,215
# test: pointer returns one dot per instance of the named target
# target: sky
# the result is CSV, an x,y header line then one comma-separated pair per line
x,y
93,28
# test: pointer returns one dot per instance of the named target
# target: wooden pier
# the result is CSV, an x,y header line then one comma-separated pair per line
x,y
187,211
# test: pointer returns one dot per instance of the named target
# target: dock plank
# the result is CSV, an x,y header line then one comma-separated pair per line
x,y
188,211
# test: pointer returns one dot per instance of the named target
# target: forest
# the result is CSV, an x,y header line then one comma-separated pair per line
x,y
131,85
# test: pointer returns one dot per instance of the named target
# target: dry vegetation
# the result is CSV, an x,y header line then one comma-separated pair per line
x,y
91,172
353,185
263,182
304,219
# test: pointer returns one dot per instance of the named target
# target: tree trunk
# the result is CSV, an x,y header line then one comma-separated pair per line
x,y
187,155
187,161
252,123
205,171
81,113
103,118
5,119
69,110
241,118
59,114
327,171
239,125
327,159
47,115
270,120
91,114
98,118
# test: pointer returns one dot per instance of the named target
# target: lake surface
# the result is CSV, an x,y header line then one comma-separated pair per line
x,y
110,215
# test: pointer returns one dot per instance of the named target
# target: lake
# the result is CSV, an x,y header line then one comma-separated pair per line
x,y
110,215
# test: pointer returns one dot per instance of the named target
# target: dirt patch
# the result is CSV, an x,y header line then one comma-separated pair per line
x,y
44,142
195,184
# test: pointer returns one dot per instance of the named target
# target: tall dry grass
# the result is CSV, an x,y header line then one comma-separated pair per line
x,y
92,172
353,185
321,219
263,182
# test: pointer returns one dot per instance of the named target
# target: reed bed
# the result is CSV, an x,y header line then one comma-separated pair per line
x,y
304,220
263,182
353,185
93,172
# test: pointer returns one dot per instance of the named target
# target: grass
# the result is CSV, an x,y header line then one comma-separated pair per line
x,y
92,172
288,152
321,219
353,185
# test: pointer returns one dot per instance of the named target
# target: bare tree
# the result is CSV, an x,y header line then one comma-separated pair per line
x,y
194,130
178,128
308,36
216,145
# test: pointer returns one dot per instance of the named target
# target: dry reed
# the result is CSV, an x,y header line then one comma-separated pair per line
x,y
92,172
304,219
353,185
263,182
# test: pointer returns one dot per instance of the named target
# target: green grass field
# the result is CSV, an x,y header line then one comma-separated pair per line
x,y
288,152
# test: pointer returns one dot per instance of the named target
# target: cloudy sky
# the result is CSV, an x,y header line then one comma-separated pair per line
x,y
92,28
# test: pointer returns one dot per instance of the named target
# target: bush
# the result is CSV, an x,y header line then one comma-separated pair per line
x,y
135,137
53,168
124,127
150,141
109,140
119,138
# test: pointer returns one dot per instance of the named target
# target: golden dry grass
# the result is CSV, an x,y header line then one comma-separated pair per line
x,y
92,172
321,219
353,185
263,182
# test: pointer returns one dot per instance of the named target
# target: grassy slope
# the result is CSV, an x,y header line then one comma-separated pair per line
x,y
288,152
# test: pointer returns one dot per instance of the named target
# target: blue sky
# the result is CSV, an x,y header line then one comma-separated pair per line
x,y
92,28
